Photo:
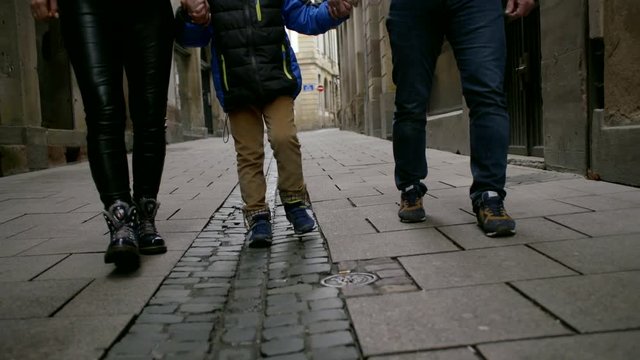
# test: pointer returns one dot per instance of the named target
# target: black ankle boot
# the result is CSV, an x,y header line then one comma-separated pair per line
x,y
150,242
122,220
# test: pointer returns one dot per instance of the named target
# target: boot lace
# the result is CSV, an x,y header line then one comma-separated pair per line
x,y
148,227
495,207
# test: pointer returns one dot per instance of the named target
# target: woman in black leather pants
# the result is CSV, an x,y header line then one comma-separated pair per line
x,y
103,39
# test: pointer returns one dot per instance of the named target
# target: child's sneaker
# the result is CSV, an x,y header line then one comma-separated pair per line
x,y
299,217
259,234
492,217
411,209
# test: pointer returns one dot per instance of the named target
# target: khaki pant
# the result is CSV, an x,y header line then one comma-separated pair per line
x,y
247,129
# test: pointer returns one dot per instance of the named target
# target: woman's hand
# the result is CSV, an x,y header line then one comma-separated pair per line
x,y
198,11
44,9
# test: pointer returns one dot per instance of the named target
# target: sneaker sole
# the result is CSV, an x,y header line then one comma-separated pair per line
x,y
304,231
413,220
501,233
260,243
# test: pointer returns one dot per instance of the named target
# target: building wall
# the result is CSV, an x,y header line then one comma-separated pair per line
x,y
564,77
616,128
318,60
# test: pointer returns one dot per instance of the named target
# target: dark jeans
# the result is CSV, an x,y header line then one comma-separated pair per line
x,y
104,38
475,30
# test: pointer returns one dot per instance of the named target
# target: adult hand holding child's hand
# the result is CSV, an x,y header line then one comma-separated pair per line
x,y
339,8
198,10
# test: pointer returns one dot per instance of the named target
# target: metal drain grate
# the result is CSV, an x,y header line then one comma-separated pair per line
x,y
349,279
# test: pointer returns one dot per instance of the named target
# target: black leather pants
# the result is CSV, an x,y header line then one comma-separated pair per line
x,y
103,38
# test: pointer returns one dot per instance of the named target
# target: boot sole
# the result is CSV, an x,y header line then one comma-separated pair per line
x,y
125,257
304,231
154,250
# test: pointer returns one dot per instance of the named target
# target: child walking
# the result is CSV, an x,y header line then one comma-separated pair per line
x,y
257,78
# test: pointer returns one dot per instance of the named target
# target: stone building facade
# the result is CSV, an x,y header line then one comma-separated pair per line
x,y
317,105
41,113
571,85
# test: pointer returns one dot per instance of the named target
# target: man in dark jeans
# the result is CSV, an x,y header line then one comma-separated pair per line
x,y
475,30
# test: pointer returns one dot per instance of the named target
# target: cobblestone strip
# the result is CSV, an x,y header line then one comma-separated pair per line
x,y
277,307
178,321
224,300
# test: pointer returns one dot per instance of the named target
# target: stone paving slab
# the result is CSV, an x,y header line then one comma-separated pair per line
x,y
181,225
529,231
52,205
82,266
524,207
609,346
593,187
96,242
592,302
630,195
446,318
344,222
21,300
596,255
59,338
389,244
112,296
453,354
544,191
600,202
16,247
200,208
603,223
387,198
61,226
332,205
24,268
483,266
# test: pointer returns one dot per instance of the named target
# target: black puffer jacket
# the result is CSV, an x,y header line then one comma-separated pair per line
x,y
251,47
252,60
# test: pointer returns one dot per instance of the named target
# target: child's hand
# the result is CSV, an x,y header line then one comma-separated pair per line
x,y
198,10
44,9
339,8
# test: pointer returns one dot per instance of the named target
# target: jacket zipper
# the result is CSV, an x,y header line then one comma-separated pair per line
x,y
284,62
258,10
252,54
224,73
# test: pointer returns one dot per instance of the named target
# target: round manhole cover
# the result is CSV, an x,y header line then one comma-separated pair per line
x,y
349,279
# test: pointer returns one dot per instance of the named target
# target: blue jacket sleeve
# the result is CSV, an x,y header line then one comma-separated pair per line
x,y
189,34
308,19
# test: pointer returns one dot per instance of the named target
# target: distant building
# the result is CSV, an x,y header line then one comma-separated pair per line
x,y
317,105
